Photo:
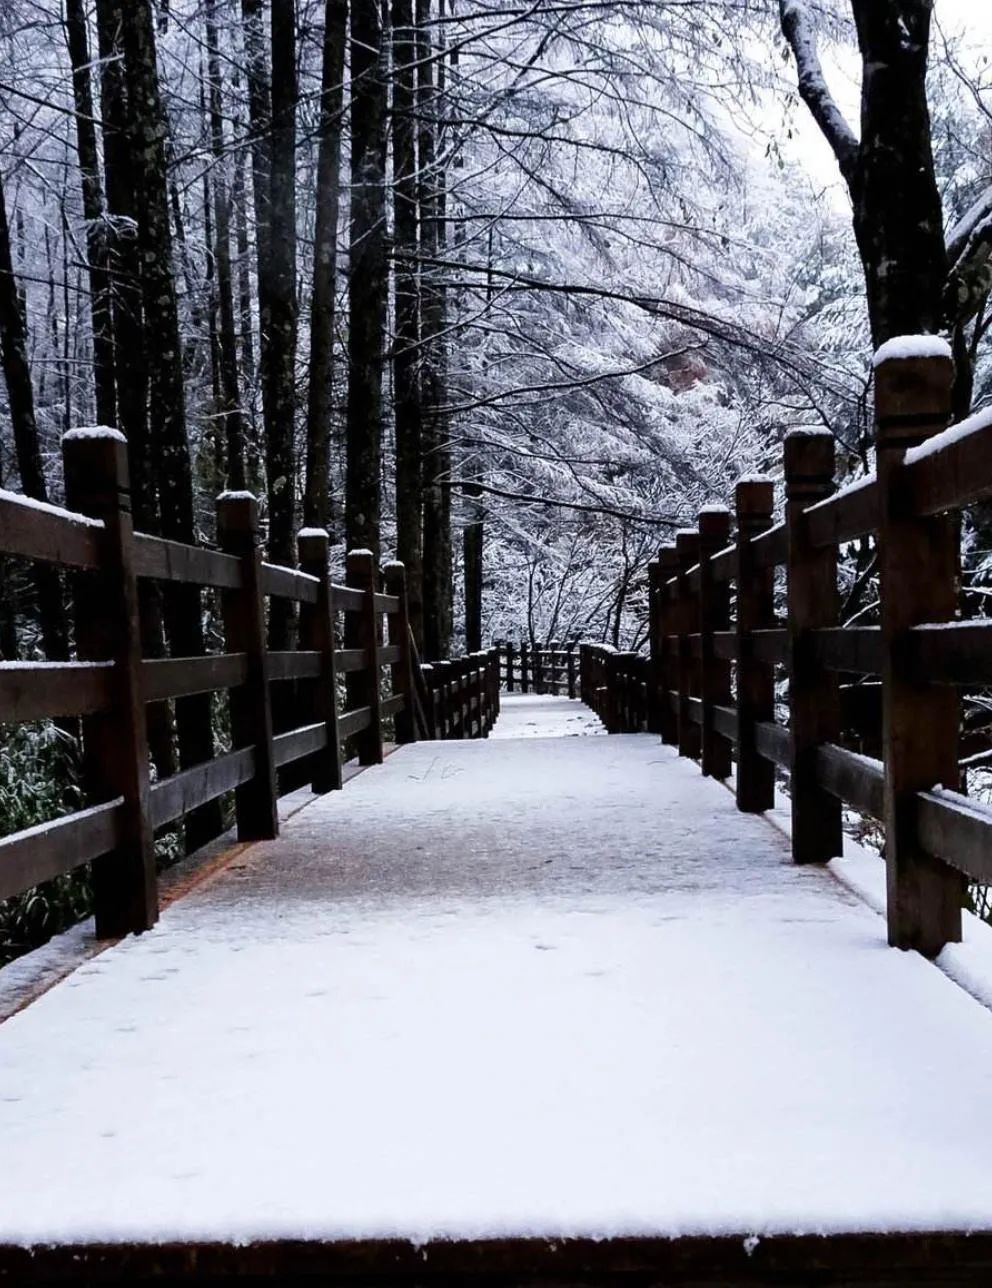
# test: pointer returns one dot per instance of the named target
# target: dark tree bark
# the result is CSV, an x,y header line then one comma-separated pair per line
x,y
233,420
20,396
166,396
889,172
406,377
316,506
437,561
472,548
367,277
93,211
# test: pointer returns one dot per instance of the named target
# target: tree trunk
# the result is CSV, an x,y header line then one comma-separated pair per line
x,y
20,396
232,419
472,547
406,379
165,368
898,218
367,277
93,212
436,445
316,506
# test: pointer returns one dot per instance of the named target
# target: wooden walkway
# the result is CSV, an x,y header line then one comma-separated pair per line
x,y
542,1009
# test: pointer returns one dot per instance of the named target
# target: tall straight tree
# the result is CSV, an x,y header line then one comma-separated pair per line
x,y
233,418
167,406
104,379
437,563
316,505
367,276
27,447
406,379
278,309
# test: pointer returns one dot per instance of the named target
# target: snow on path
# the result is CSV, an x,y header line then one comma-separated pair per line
x,y
537,715
549,986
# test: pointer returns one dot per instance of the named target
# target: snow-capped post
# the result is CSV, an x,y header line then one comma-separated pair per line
x,y
690,737
571,669
654,647
364,686
243,611
428,675
115,742
755,500
814,697
714,615
918,571
317,634
401,671
668,567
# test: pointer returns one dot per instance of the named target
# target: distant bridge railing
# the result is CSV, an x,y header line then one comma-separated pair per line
x,y
708,686
539,668
351,633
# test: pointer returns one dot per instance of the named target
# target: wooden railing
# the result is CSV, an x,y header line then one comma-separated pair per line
x,y
539,668
708,685
109,683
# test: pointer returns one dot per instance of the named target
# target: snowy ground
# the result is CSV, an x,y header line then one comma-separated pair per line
x,y
534,715
547,986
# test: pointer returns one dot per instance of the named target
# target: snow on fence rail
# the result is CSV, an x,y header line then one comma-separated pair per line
x,y
708,685
109,684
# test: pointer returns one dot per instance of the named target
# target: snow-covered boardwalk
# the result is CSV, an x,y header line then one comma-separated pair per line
x,y
524,988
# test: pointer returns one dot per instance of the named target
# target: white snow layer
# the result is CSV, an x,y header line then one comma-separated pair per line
x,y
912,346
551,986
93,431
29,503
534,715
975,424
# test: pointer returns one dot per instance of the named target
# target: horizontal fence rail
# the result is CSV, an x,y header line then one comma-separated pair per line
x,y
539,668
109,684
707,684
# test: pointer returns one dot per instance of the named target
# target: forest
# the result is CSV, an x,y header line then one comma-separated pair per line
x,y
504,291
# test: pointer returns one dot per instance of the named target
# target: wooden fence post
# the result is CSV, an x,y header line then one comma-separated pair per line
x,y
364,687
755,680
668,566
654,647
714,615
317,633
401,672
115,742
814,699
571,670
442,677
690,733
524,668
429,677
918,571
244,632
509,666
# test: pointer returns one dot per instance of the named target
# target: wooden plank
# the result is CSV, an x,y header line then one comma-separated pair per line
x,y
853,649
725,722
389,654
175,796
755,786
725,645
953,474
386,603
174,677
172,561
771,548
958,831
856,780
770,646
39,853
297,743
854,1260
957,653
774,742
347,599
723,565
394,705
350,659
49,533
845,516
289,583
352,722
294,664
714,615
45,690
